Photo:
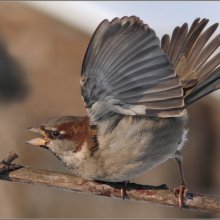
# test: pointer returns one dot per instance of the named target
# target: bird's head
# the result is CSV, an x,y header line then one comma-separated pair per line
x,y
61,135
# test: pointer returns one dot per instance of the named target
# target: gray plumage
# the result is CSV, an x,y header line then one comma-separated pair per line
x,y
126,72
136,144
136,92
194,58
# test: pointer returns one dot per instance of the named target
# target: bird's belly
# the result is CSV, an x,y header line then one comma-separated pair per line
x,y
137,145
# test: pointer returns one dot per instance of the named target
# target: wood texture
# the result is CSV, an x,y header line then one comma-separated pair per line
x,y
156,194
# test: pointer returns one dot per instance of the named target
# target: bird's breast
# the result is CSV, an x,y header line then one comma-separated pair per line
x,y
136,144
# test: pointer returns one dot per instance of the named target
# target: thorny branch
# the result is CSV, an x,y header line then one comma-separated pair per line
x,y
156,194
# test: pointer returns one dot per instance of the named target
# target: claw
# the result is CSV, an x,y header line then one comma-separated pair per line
x,y
181,193
124,194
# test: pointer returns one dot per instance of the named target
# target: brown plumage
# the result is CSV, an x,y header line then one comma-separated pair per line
x,y
136,91
77,131
191,53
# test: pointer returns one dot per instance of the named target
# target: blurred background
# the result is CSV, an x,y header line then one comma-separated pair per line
x,y
42,45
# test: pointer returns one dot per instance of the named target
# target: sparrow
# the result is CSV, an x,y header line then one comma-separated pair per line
x,y
136,90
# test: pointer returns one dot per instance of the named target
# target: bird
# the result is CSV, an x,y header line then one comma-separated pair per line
x,y
136,89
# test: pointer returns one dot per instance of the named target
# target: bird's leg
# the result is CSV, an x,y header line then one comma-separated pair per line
x,y
123,190
119,185
181,191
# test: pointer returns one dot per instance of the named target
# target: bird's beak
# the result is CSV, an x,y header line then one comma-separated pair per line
x,y
38,141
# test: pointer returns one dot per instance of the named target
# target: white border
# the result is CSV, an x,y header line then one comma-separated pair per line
x,y
83,15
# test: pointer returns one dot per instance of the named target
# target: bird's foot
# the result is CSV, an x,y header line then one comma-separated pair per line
x,y
181,193
124,194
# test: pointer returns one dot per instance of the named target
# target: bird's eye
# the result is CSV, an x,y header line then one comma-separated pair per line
x,y
54,134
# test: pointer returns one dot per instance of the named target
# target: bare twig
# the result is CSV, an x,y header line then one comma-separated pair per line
x,y
157,194
6,164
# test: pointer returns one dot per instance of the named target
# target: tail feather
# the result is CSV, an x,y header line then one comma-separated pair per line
x,y
192,54
211,84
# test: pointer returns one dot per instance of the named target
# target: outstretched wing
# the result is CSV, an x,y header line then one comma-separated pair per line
x,y
192,53
125,71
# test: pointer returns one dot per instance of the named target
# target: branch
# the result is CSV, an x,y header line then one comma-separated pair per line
x,y
156,194
6,164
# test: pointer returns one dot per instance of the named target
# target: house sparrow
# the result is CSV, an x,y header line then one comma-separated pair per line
x,y
136,92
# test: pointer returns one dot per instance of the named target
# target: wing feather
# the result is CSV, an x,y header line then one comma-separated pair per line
x,y
194,57
125,71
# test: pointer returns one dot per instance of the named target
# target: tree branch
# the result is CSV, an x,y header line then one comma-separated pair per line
x,y
156,194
